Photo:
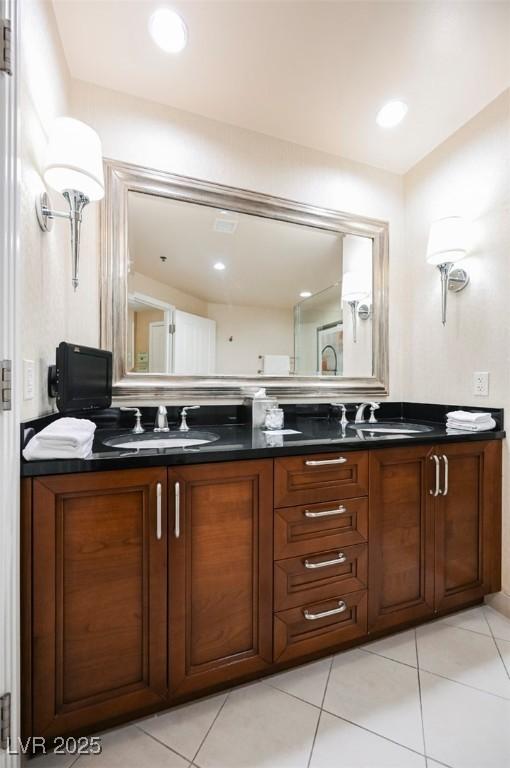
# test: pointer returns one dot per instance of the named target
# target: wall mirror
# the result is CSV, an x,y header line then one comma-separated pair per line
x,y
208,289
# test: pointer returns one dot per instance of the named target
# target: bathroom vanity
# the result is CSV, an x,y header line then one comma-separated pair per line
x,y
153,574
152,578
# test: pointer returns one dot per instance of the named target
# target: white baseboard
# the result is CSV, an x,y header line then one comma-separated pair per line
x,y
500,601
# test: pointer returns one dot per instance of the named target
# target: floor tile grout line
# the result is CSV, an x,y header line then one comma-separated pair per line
x,y
438,762
420,696
292,695
375,653
444,677
466,685
320,712
155,738
495,639
211,726
314,739
375,733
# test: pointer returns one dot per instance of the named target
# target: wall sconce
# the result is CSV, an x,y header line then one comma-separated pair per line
x,y
448,243
74,167
353,292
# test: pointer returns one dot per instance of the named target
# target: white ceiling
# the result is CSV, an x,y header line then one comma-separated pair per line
x,y
268,263
314,73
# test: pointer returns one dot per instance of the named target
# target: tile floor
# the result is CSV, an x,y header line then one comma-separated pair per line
x,y
435,696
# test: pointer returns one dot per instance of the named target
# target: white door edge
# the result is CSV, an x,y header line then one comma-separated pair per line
x,y
9,420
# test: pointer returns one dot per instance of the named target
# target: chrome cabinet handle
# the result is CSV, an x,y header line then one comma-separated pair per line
x,y
446,475
158,512
177,522
327,512
314,616
325,563
436,490
314,463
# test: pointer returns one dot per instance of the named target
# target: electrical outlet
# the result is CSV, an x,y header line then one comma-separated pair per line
x,y
481,383
28,379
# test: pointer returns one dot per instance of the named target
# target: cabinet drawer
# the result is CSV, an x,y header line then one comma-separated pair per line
x,y
316,577
330,623
317,527
320,477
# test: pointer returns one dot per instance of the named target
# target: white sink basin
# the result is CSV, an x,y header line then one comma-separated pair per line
x,y
391,427
154,440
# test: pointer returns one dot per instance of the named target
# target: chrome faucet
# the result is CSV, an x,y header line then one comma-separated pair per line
x,y
161,424
137,429
360,413
184,425
343,420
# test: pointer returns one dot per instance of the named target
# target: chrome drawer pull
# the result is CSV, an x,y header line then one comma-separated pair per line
x,y
327,512
158,511
446,474
436,490
314,616
177,523
313,463
324,564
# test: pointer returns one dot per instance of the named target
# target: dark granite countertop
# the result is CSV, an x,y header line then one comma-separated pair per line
x,y
318,429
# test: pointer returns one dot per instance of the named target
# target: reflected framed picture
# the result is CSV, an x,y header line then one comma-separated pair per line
x,y
330,349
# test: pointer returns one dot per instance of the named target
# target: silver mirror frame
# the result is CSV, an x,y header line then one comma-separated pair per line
x,y
120,179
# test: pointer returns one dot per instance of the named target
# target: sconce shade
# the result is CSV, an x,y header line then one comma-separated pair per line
x,y
353,288
448,240
74,159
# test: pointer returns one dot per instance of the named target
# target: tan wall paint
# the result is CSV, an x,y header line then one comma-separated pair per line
x,y
255,331
142,284
51,311
142,323
155,136
469,174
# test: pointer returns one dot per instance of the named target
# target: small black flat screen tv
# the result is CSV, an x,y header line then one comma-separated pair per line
x,y
82,378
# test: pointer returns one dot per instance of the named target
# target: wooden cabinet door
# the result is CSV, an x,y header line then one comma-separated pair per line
x,y
99,597
468,523
221,561
401,545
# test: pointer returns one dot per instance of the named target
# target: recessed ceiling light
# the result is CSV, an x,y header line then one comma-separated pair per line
x,y
168,30
391,114
305,294
219,266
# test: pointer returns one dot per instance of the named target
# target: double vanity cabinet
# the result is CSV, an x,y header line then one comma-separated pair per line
x,y
149,586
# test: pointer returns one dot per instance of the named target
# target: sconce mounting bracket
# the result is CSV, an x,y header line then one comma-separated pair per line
x,y
364,311
457,279
42,208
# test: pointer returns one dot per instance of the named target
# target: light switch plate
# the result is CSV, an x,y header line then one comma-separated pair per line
x,y
28,379
481,383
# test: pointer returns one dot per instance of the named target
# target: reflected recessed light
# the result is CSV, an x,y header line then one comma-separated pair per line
x,y
219,266
168,30
391,114
305,294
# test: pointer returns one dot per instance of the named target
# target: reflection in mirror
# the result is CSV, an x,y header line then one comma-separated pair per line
x,y
218,292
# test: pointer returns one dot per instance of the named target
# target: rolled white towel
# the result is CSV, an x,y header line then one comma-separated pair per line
x,y
461,426
65,438
469,417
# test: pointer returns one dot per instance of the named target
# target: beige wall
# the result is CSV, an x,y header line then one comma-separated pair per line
x,y
468,174
142,321
51,311
142,132
255,331
139,283
155,136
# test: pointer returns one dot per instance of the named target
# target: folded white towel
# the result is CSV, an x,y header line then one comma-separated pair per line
x,y
65,438
461,426
469,416
276,365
